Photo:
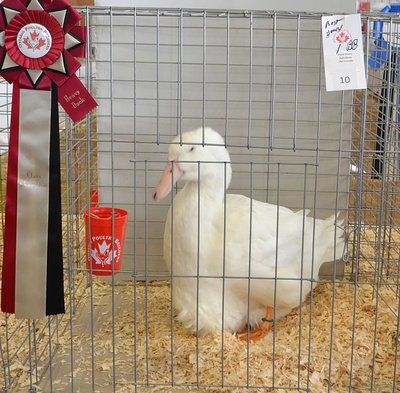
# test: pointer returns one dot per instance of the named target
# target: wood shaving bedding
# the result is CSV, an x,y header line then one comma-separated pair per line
x,y
214,360
148,360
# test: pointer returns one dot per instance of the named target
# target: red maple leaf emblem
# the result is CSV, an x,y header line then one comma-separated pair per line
x,y
41,43
342,37
27,43
34,35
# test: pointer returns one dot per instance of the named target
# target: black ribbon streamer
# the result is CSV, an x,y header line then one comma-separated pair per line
x,y
54,279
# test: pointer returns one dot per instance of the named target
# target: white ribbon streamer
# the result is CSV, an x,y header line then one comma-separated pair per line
x,y
33,203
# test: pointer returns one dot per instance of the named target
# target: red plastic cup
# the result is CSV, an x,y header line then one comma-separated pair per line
x,y
99,249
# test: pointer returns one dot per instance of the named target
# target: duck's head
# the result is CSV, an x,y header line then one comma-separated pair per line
x,y
198,156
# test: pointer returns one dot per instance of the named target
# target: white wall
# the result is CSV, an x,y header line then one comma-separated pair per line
x,y
278,5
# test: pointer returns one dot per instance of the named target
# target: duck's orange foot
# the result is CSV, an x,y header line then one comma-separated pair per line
x,y
264,327
256,334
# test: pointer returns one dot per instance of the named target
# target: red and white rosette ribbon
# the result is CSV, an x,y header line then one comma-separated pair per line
x,y
39,40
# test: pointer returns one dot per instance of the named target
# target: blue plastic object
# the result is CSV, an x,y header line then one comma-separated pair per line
x,y
379,56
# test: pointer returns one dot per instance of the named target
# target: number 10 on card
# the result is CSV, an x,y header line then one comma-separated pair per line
x,y
345,79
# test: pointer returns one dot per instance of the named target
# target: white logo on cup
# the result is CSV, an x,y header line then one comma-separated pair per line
x,y
102,252
34,40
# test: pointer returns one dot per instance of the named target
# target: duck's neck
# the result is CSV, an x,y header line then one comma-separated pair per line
x,y
210,188
206,198
197,218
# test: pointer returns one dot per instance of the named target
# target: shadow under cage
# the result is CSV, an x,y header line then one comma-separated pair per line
x,y
257,79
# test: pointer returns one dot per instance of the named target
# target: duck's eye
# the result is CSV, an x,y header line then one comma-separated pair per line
x,y
192,148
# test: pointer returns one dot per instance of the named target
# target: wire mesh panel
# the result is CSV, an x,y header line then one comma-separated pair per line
x,y
202,268
174,71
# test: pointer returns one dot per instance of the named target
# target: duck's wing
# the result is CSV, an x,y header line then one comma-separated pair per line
x,y
270,233
277,256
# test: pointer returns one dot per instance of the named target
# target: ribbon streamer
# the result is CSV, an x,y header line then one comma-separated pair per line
x,y
39,41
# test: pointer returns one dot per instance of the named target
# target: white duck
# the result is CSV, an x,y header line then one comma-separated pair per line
x,y
231,268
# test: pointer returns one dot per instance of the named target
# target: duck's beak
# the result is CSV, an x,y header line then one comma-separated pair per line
x,y
172,174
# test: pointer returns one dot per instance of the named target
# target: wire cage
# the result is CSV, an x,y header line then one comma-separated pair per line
x,y
257,78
